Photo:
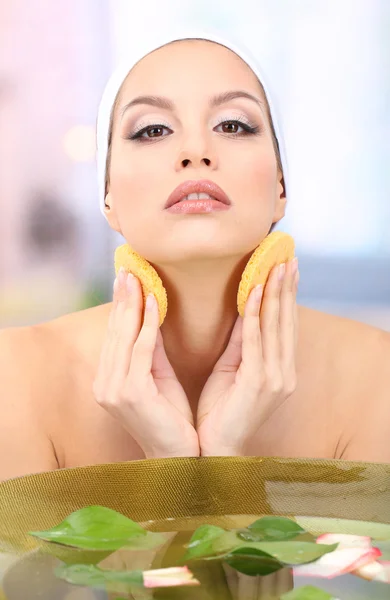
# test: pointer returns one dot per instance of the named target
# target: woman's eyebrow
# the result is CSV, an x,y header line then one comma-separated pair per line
x,y
228,96
166,104
157,101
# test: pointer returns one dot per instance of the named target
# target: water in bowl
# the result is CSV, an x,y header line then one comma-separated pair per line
x,y
32,575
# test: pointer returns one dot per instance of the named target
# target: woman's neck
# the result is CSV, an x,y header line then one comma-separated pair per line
x,y
202,309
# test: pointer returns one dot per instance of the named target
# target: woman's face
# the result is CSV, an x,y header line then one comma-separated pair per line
x,y
188,136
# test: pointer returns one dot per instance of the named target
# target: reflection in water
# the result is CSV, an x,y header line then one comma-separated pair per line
x,y
32,576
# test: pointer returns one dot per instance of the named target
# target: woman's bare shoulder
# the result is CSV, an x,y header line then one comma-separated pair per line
x,y
26,382
354,349
354,361
80,332
39,365
338,335
66,334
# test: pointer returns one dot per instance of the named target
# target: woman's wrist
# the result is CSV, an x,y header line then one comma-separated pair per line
x,y
184,452
221,450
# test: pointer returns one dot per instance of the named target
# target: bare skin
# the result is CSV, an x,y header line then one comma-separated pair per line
x,y
340,408
49,415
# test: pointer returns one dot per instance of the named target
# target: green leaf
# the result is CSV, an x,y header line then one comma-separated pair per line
x,y
292,552
212,543
100,528
251,561
203,541
74,556
250,536
89,575
272,528
288,553
308,592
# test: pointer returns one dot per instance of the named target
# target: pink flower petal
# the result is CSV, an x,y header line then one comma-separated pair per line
x,y
338,562
170,577
345,540
371,556
169,571
374,571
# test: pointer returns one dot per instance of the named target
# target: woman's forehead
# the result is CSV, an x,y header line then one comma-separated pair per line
x,y
184,64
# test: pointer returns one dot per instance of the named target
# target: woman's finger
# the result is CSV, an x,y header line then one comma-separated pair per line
x,y
232,356
126,328
161,367
252,342
269,318
287,321
143,350
119,299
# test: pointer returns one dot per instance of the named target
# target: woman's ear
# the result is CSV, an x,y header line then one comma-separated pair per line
x,y
110,213
281,186
281,200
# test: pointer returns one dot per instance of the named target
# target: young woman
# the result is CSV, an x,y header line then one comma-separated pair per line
x,y
187,116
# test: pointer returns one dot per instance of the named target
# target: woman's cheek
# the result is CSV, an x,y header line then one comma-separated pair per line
x,y
136,192
262,173
128,180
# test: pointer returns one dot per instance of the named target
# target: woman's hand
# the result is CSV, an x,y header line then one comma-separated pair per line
x,y
135,382
256,373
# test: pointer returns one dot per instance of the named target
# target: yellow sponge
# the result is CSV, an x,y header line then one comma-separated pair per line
x,y
150,281
275,249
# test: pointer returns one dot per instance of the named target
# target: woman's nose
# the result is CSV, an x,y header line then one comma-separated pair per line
x,y
186,161
196,159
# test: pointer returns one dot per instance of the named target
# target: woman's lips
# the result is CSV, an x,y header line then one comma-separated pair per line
x,y
195,197
197,206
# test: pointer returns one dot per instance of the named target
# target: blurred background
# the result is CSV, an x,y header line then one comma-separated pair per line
x,y
328,61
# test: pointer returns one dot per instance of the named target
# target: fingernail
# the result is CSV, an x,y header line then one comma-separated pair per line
x,y
294,266
121,276
149,302
281,272
129,282
258,292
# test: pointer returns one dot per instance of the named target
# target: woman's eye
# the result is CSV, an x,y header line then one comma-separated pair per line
x,y
230,127
154,131
237,128
151,132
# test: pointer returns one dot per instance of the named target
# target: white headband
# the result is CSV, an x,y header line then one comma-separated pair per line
x,y
135,55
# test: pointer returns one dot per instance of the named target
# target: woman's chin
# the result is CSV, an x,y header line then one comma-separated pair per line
x,y
196,247
192,253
